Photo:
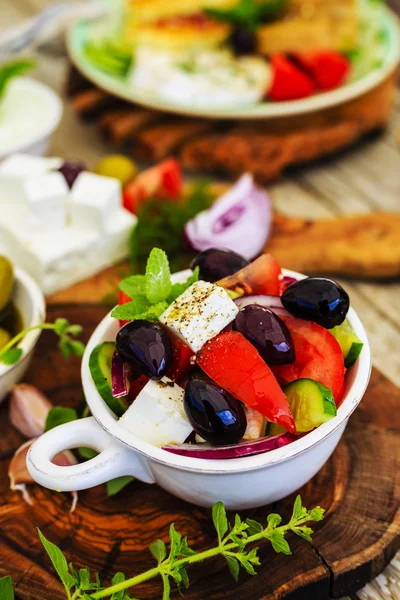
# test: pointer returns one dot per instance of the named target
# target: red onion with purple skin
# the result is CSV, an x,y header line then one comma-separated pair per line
x,y
265,444
240,221
119,377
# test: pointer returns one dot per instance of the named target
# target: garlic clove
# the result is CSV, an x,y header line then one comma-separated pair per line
x,y
28,410
20,476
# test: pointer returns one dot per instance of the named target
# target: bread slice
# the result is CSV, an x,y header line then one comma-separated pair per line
x,y
313,25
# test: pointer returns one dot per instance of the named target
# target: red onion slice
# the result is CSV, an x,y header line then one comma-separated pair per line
x,y
289,280
265,444
119,377
240,221
272,302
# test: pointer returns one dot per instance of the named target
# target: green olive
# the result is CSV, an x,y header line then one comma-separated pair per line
x,y
5,337
6,281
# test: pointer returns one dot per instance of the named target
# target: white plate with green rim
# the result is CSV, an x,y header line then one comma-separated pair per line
x,y
387,50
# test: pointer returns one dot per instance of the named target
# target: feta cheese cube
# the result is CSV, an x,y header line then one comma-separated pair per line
x,y
157,415
16,169
200,313
45,198
94,202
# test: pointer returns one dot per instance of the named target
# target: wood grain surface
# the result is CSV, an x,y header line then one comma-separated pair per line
x,y
359,486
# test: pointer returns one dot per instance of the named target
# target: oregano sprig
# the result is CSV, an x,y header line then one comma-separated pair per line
x,y
237,543
67,344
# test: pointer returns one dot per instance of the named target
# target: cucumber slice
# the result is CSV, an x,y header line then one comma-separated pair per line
x,y
100,369
311,403
349,342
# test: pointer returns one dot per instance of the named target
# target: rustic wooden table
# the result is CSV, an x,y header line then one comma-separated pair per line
x,y
364,179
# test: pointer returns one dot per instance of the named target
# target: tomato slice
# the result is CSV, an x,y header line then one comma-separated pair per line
x,y
123,299
234,364
318,357
262,276
180,358
163,181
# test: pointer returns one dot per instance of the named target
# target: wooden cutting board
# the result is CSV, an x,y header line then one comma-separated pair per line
x,y
359,487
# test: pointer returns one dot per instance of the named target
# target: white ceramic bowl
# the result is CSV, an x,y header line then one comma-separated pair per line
x,y
29,114
30,302
240,483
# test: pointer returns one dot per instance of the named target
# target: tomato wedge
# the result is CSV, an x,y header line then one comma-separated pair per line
x,y
123,299
180,358
318,357
162,181
262,276
234,364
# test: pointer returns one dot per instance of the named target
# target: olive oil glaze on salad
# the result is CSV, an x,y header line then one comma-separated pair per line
x,y
233,360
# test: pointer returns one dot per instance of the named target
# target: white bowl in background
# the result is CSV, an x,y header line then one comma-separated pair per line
x,y
29,300
240,483
29,114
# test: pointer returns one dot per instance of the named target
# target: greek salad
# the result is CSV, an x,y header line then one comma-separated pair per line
x,y
228,359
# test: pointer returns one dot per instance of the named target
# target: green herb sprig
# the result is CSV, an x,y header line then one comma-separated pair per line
x,y
249,14
153,292
236,543
67,344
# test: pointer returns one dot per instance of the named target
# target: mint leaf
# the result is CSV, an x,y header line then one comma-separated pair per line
x,y
219,519
158,276
58,415
117,485
11,356
233,566
158,550
178,288
128,311
59,562
6,588
133,286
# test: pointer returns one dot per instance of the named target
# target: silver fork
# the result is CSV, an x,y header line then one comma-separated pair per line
x,y
22,35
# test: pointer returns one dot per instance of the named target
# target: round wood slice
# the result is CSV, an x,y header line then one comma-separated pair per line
x,y
359,487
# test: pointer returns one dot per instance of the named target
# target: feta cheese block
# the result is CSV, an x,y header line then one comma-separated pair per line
x,y
200,313
17,168
94,202
157,416
45,198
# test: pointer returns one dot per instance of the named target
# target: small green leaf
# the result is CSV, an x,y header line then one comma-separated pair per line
x,y
133,286
158,276
298,509
279,543
304,532
58,415
317,514
60,326
117,485
178,288
76,347
74,330
185,548
274,520
11,356
64,348
84,579
59,562
219,519
254,527
128,311
185,577
175,542
118,578
158,550
233,566
6,588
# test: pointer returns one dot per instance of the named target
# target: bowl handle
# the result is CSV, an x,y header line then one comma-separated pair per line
x,y
112,461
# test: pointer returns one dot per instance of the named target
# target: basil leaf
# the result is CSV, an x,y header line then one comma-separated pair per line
x,y
59,562
233,566
158,276
58,415
279,543
117,485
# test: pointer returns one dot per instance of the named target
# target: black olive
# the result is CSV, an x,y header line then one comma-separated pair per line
x,y
217,263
